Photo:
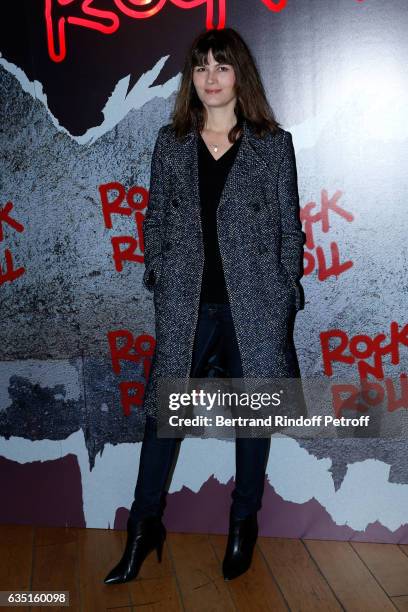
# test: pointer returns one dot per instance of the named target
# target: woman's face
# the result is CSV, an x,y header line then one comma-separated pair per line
x,y
214,83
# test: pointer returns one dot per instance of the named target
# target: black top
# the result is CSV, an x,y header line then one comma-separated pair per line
x,y
212,176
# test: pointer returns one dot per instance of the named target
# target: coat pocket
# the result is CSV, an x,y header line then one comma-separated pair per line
x,y
292,286
152,274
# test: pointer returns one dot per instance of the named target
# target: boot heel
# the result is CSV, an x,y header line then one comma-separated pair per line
x,y
159,550
242,537
146,535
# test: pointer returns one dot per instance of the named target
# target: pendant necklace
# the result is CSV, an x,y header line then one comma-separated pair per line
x,y
214,146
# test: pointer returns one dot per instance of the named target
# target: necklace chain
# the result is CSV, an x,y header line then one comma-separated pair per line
x,y
214,146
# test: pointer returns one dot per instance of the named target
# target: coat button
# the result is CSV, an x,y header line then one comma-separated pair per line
x,y
175,203
262,249
168,246
256,207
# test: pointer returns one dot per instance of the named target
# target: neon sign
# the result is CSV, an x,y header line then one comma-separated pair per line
x,y
108,22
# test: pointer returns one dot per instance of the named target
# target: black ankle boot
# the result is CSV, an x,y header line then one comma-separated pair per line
x,y
146,535
241,541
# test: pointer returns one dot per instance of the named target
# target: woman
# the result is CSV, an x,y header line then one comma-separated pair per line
x,y
223,257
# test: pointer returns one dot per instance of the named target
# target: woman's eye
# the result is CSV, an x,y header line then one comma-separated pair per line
x,y
221,68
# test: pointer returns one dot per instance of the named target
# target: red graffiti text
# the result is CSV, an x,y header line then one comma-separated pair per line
x,y
10,273
318,257
356,352
124,348
115,200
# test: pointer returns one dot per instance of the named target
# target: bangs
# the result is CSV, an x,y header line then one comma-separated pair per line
x,y
227,47
221,53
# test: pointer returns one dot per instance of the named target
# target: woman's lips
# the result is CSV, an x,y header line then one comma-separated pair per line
x,y
212,90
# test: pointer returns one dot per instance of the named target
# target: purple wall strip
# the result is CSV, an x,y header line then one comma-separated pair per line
x,y
208,510
42,493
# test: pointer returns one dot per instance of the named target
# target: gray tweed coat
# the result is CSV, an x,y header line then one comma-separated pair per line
x,y
261,245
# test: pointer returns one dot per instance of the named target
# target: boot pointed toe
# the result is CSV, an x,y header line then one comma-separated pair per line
x,y
123,573
146,535
114,577
242,537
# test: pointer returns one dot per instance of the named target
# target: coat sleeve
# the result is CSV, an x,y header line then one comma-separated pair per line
x,y
293,238
153,221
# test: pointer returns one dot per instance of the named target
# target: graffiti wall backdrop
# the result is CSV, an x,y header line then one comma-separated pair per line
x,y
85,86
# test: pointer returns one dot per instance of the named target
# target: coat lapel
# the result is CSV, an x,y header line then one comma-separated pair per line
x,y
253,160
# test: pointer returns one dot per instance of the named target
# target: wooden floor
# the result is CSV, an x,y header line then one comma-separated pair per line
x,y
306,575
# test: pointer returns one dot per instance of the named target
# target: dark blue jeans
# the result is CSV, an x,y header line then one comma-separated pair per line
x,y
215,353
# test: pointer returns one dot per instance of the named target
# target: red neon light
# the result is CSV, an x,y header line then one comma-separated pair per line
x,y
138,14
108,22
277,6
136,9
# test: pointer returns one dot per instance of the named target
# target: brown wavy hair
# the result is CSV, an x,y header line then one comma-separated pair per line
x,y
227,47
